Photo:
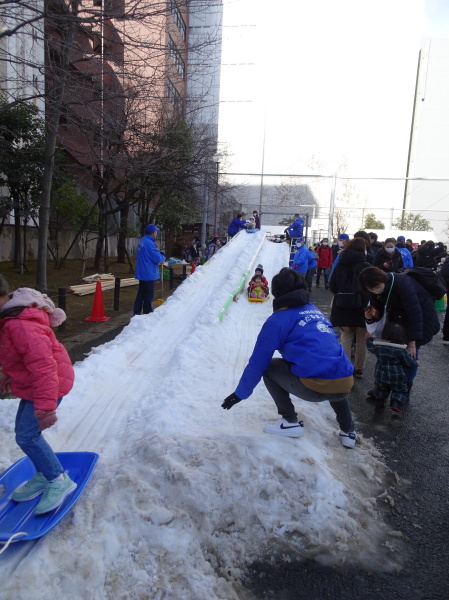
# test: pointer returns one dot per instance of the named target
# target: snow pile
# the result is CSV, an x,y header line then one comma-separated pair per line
x,y
186,495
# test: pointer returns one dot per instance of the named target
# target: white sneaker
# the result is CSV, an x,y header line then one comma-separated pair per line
x,y
347,439
286,429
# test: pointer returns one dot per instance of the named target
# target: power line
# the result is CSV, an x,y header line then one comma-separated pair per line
x,y
338,176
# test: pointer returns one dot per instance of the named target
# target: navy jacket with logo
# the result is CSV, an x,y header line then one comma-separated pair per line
x,y
304,337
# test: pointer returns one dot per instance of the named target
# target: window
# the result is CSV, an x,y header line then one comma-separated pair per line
x,y
174,96
63,119
176,57
177,18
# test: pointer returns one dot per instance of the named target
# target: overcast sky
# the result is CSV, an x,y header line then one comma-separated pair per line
x,y
324,83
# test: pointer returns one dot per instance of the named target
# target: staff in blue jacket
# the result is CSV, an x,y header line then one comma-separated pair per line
x,y
406,254
313,366
147,270
236,225
295,230
302,257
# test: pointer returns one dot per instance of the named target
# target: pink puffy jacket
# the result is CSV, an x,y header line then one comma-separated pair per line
x,y
39,366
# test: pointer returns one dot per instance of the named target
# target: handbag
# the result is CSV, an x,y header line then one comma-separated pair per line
x,y
375,329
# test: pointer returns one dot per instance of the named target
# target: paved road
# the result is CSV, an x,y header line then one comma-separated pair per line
x,y
417,449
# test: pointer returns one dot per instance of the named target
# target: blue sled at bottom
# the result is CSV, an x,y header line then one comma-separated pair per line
x,y
18,517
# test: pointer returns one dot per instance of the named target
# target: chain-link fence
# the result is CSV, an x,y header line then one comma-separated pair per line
x,y
337,204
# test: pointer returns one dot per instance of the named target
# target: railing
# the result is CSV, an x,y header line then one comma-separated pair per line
x,y
242,281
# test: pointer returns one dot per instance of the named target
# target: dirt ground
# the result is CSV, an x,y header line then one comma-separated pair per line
x,y
80,307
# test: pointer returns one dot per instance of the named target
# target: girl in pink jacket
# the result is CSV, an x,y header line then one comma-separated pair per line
x,y
36,368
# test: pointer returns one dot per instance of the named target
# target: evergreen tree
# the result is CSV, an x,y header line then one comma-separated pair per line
x,y
372,223
412,222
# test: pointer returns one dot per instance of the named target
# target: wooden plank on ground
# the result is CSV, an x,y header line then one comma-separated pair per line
x,y
89,288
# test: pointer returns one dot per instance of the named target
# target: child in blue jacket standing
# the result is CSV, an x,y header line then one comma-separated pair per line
x,y
313,366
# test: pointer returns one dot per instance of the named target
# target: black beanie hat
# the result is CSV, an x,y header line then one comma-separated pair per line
x,y
259,268
287,280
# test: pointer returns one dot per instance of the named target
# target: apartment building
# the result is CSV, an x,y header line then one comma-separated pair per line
x,y
22,53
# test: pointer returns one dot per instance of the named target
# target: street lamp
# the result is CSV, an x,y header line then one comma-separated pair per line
x,y
216,158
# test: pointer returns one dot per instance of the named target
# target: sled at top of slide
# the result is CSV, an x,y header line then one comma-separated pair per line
x,y
19,517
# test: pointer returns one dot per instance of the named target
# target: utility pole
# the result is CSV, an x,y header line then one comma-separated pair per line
x,y
204,214
331,207
216,158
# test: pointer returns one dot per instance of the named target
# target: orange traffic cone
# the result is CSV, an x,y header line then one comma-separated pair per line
x,y
98,306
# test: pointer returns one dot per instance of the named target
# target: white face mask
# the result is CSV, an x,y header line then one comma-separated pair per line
x,y
389,250
324,243
340,243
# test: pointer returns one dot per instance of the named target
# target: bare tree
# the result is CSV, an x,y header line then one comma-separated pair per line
x,y
98,60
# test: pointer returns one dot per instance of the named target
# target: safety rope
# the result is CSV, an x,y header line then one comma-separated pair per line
x,y
11,539
233,294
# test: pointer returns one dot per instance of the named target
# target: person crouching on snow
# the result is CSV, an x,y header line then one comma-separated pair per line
x,y
313,367
37,369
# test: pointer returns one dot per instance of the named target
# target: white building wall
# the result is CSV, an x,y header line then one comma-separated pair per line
x,y
429,149
22,54
204,62
22,59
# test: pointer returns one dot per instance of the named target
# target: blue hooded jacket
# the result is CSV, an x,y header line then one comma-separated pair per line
x,y
301,260
235,226
296,228
406,257
311,262
304,337
148,259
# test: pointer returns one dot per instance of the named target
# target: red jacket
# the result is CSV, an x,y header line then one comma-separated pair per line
x,y
264,280
324,256
261,284
39,366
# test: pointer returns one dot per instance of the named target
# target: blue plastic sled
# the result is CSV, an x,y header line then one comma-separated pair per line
x,y
18,517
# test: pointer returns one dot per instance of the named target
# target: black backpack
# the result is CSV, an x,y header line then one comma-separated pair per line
x,y
444,271
348,295
431,281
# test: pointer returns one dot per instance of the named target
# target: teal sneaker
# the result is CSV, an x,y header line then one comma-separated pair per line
x,y
55,493
31,489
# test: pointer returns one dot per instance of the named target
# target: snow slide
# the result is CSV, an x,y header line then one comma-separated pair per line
x,y
186,495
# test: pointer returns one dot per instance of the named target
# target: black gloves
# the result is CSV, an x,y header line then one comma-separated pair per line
x,y
230,401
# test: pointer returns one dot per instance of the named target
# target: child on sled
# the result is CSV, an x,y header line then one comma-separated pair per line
x,y
258,284
251,225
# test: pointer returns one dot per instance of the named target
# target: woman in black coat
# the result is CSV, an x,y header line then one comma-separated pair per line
x,y
351,320
423,257
388,258
406,302
445,273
